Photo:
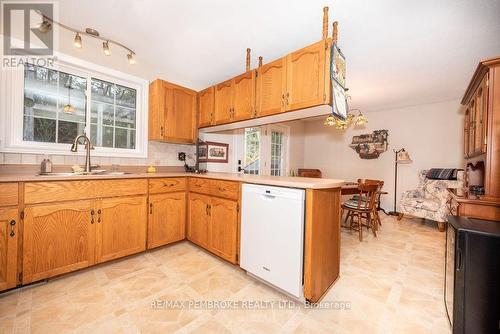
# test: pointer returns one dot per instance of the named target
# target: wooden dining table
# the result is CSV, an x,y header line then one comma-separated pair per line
x,y
351,188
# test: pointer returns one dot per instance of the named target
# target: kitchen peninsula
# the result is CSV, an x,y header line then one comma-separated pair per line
x,y
93,219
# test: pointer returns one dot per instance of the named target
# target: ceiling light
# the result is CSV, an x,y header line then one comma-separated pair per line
x,y
361,119
105,47
131,58
330,120
45,25
78,41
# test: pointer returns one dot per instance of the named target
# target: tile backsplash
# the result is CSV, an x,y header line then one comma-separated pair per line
x,y
161,154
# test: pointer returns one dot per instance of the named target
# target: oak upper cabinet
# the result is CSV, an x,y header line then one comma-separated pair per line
x,y
481,104
167,218
58,238
9,233
306,77
475,125
223,228
271,88
121,225
172,113
198,219
244,96
224,102
206,104
235,99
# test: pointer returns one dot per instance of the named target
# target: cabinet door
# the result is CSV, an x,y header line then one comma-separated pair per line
x,y
167,218
466,133
271,88
198,219
223,228
180,122
206,100
156,117
223,102
481,105
121,227
472,127
306,77
57,238
244,96
9,231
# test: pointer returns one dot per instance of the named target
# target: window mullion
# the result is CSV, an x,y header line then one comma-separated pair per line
x,y
88,104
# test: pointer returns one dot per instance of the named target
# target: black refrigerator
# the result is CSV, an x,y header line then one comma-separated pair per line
x,y
472,275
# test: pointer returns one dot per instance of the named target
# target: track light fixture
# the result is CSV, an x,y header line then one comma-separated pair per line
x,y
78,41
105,48
131,58
47,23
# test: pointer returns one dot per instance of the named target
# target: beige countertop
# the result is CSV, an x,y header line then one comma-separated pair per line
x,y
281,181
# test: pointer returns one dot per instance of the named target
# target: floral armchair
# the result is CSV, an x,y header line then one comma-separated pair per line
x,y
429,199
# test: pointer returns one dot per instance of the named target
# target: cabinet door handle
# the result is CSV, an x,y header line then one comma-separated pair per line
x,y
210,210
12,224
161,131
150,208
92,216
99,216
206,210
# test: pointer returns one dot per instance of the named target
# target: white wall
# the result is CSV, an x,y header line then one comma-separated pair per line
x,y
431,133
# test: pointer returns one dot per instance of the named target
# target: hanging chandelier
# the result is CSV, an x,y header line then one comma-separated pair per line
x,y
339,124
47,23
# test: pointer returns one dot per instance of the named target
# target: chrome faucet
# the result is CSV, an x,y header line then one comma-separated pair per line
x,y
88,147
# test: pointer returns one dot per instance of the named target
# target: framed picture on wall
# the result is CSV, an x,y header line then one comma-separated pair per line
x,y
217,152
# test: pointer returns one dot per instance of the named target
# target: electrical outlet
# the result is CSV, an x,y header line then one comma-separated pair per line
x,y
182,156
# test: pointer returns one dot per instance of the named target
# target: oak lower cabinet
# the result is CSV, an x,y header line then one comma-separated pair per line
x,y
9,233
223,228
167,218
120,227
58,238
198,219
213,225
64,237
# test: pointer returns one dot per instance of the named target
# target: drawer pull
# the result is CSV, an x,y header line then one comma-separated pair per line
x,y
92,216
12,224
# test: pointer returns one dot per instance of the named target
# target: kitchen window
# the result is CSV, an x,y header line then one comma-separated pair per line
x,y
51,106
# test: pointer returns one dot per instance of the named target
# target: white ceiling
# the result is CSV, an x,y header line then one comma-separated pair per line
x,y
398,52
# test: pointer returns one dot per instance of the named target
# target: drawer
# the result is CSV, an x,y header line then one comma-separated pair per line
x,y
167,185
226,189
123,187
8,194
199,185
57,191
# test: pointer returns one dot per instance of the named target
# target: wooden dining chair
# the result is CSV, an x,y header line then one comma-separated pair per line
x,y
379,193
362,208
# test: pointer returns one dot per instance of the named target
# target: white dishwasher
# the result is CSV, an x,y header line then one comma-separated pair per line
x,y
272,235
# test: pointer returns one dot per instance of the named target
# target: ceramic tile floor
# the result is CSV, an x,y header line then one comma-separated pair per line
x,y
392,284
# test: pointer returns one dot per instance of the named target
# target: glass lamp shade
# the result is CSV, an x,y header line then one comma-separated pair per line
x,y
330,121
404,157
